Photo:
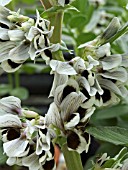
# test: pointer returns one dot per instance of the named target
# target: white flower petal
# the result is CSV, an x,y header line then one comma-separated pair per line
x,y
124,60
5,47
16,35
14,161
9,66
59,94
79,64
98,87
15,147
61,2
62,67
4,34
4,12
118,74
88,114
111,61
53,116
82,81
103,50
78,142
38,146
108,84
92,62
20,53
87,104
72,122
32,51
9,120
58,80
113,100
4,2
93,91
31,161
71,103
10,105
32,33
11,161
124,91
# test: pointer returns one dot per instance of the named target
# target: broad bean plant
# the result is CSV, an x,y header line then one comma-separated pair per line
x,y
96,77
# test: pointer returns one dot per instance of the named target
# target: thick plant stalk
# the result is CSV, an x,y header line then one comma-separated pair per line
x,y
72,159
56,38
46,4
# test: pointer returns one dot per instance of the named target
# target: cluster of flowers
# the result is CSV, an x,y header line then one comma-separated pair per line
x,y
81,84
26,140
22,37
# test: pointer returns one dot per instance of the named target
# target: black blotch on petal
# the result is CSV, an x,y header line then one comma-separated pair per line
x,y
70,117
67,90
84,91
97,96
81,125
86,136
106,95
42,154
4,132
67,1
31,150
49,165
13,134
4,26
52,149
48,53
85,74
44,131
46,41
82,112
73,140
13,64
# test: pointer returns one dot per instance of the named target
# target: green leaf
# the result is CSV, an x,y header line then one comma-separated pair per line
x,y
85,37
115,135
20,92
111,112
5,89
77,21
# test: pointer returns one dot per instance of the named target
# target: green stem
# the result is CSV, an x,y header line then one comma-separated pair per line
x,y
56,37
17,79
10,80
72,159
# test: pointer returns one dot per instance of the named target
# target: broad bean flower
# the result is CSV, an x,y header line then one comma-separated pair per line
x,y
26,140
22,37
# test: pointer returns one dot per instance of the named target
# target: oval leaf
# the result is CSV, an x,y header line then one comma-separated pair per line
x,y
115,135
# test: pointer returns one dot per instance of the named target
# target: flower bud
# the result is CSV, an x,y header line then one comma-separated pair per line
x,y
29,113
110,31
17,18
